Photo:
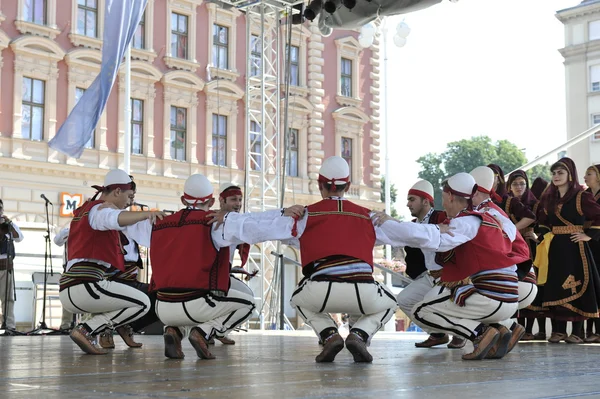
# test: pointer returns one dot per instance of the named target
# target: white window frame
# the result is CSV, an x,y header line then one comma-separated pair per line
x,y
228,19
594,30
300,35
144,76
83,65
181,90
187,8
595,137
594,85
147,53
82,40
49,30
37,58
350,122
300,110
349,48
222,98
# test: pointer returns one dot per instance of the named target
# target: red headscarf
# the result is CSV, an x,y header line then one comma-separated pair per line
x,y
551,197
501,187
527,198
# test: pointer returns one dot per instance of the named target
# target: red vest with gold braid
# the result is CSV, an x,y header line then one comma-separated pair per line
x,y
490,249
520,249
337,227
184,256
87,243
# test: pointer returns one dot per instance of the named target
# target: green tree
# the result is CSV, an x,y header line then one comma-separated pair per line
x,y
393,196
464,156
540,170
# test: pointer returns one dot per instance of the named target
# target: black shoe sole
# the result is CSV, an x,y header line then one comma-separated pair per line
x,y
359,351
171,348
330,352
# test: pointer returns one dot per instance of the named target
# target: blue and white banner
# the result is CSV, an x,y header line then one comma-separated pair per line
x,y
121,19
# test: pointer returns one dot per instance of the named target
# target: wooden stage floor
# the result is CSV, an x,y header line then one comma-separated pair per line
x,y
281,365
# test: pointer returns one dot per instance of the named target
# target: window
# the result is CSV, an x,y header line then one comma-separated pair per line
x,y
294,65
255,55
219,139
346,78
220,46
347,152
292,160
87,17
178,133
596,121
594,30
595,78
34,11
255,145
179,35
32,121
137,125
139,37
78,93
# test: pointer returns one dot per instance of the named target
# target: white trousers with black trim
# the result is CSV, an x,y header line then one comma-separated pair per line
x,y
314,300
112,304
437,313
414,293
527,293
215,315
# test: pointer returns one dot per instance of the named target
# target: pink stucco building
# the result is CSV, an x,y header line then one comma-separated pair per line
x,y
188,91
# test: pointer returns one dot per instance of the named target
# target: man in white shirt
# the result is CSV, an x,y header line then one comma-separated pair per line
x,y
478,284
9,234
95,252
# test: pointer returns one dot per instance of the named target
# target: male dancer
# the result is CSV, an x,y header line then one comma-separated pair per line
x,y
421,265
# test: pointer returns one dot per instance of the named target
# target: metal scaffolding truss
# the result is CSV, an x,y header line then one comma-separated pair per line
x,y
264,141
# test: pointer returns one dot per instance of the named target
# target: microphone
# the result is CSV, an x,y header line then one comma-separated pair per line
x,y
47,200
140,205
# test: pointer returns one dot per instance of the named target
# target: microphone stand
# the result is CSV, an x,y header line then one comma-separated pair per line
x,y
10,254
43,329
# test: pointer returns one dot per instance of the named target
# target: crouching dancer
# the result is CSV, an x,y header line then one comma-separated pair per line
x,y
336,239
95,252
478,284
190,270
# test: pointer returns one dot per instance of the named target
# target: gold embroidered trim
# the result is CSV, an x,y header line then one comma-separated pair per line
x,y
567,229
578,203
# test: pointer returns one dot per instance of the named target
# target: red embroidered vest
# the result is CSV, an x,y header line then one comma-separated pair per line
x,y
337,227
184,256
87,243
490,249
520,249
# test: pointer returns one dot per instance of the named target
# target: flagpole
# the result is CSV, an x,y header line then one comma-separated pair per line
x,y
127,116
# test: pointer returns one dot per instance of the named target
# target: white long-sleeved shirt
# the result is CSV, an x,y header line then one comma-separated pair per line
x,y
62,237
403,233
18,238
259,227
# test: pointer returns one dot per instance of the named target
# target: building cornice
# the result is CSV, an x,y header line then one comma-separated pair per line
x,y
579,11
580,49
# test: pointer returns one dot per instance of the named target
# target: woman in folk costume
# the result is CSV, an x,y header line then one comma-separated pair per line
x,y
520,214
518,187
564,259
538,187
592,180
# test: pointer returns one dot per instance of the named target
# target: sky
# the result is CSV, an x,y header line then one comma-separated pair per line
x,y
475,67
